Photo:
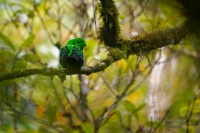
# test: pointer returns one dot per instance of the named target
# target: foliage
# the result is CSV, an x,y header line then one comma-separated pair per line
x,y
136,81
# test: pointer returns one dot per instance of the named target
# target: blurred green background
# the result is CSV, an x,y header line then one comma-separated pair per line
x,y
158,92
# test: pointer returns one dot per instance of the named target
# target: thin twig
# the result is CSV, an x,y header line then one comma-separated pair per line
x,y
190,113
161,121
44,25
31,117
57,96
108,85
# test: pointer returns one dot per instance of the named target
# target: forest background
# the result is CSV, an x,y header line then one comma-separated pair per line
x,y
141,70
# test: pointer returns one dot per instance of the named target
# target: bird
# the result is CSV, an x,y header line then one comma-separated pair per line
x,y
71,55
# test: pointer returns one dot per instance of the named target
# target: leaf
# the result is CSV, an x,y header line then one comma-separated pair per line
x,y
20,65
141,107
196,108
183,111
129,106
26,125
7,128
6,61
51,113
7,41
133,109
191,129
32,58
155,124
26,44
43,129
119,116
87,128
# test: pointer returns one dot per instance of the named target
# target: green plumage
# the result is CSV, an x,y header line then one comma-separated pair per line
x,y
71,55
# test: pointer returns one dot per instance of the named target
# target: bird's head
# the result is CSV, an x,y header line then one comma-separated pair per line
x,y
77,42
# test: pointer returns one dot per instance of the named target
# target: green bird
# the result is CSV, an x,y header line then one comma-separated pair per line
x,y
71,55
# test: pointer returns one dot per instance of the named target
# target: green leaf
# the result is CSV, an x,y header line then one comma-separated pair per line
x,y
87,128
133,109
32,58
20,65
7,41
6,61
26,125
119,116
26,44
43,130
141,107
196,108
155,124
191,129
7,128
52,113
183,111
129,106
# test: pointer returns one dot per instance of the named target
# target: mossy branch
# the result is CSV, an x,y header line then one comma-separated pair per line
x,y
110,31
143,43
146,42
117,46
54,71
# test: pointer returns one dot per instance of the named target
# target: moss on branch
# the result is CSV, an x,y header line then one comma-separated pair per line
x,y
118,47
143,43
110,30
147,42
54,71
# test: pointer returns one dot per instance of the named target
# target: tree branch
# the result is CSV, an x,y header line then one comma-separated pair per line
x,y
54,71
147,42
143,43
109,32
118,47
